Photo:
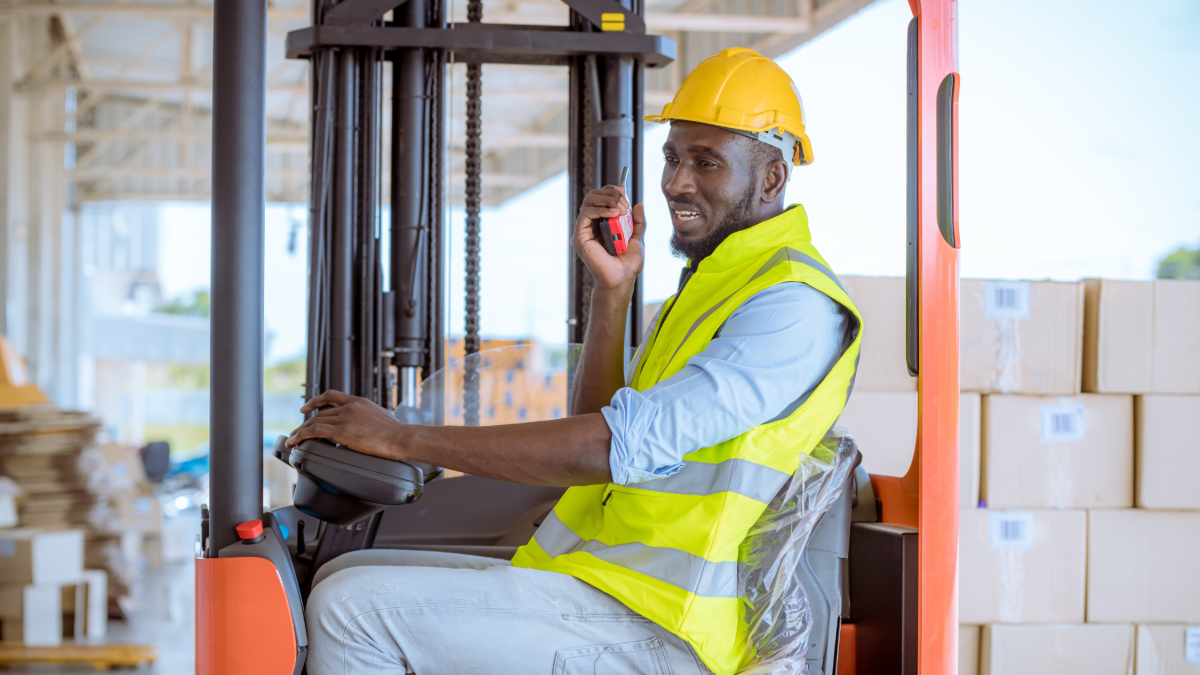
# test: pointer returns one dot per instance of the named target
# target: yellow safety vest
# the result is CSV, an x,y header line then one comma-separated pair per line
x,y
668,548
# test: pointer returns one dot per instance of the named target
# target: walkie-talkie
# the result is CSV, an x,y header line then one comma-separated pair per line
x,y
615,232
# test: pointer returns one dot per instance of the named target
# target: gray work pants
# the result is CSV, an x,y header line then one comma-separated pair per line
x,y
429,613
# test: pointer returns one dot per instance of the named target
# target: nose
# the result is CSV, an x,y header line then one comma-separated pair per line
x,y
677,179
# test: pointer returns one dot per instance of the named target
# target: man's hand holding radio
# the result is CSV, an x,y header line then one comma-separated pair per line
x,y
601,364
612,273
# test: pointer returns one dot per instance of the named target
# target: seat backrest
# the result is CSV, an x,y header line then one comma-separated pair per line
x,y
793,561
822,573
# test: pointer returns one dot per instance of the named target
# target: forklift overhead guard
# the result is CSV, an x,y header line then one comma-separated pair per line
x,y
488,43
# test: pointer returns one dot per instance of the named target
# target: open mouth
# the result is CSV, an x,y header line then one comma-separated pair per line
x,y
687,216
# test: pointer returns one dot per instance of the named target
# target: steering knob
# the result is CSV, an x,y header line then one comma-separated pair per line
x,y
341,486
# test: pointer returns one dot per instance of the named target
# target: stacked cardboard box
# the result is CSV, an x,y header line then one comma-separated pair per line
x,y
1078,462
67,482
1083,560
42,577
50,455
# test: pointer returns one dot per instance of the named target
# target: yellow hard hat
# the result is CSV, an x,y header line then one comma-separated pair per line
x,y
743,91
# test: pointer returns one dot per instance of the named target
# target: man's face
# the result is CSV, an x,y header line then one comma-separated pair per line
x,y
710,180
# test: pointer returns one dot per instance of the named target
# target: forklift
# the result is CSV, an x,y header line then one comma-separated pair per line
x,y
882,563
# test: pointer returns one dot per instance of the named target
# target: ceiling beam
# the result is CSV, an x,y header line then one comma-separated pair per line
x,y
142,10
169,172
104,86
297,139
727,23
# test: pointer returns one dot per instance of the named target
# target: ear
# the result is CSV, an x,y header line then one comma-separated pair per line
x,y
774,180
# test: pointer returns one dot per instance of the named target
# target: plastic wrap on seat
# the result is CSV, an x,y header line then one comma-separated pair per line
x,y
777,609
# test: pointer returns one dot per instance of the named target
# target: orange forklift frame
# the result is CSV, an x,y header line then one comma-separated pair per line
x,y
927,497
246,618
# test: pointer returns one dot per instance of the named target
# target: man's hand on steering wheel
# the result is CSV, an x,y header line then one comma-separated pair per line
x,y
353,421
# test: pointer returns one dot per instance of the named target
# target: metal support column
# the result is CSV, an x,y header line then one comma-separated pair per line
x,y
238,212
410,161
341,303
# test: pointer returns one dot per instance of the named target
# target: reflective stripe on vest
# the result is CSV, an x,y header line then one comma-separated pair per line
x,y
678,568
758,482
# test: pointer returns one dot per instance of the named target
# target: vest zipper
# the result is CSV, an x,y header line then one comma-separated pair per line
x,y
684,276
606,498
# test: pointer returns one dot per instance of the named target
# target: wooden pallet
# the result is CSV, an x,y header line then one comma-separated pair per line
x,y
100,657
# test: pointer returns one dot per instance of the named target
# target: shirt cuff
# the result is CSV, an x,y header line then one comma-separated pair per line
x,y
629,418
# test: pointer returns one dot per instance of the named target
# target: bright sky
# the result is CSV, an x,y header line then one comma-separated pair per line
x,y
1077,159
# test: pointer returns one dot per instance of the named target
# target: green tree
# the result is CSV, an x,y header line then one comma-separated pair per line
x,y
199,304
1183,263
286,376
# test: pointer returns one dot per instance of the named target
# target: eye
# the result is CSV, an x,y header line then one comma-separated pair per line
x,y
707,163
671,159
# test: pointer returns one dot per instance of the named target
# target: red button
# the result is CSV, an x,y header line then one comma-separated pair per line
x,y
250,529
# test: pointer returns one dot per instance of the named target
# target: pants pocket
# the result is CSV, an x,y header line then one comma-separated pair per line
x,y
648,657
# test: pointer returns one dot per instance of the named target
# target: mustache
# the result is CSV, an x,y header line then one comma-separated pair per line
x,y
678,204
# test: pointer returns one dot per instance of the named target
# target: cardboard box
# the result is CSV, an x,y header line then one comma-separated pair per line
x,y
882,364
1021,566
1167,451
884,424
31,615
1067,452
1021,337
1168,649
1057,650
968,650
37,557
9,492
1143,566
970,456
1141,337
121,555
123,468
1176,337
85,606
138,509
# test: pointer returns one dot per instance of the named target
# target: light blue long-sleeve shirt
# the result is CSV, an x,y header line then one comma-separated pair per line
x,y
763,362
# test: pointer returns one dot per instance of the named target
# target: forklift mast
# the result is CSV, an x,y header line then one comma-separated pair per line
x,y
364,338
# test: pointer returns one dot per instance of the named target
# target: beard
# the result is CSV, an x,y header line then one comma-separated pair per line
x,y
735,217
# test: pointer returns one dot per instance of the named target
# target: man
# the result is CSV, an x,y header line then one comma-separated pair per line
x,y
746,367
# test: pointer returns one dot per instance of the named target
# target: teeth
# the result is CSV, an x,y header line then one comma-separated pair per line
x,y
687,215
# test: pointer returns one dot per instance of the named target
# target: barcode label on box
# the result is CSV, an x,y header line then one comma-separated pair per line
x,y
1191,645
1062,423
1010,530
1006,300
